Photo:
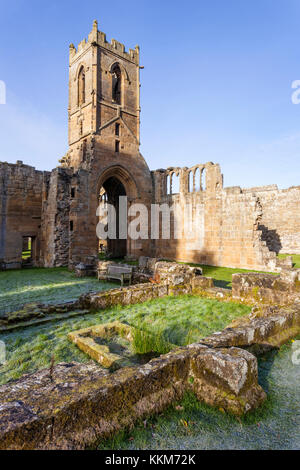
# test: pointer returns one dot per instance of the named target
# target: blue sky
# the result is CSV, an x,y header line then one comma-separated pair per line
x,y
216,84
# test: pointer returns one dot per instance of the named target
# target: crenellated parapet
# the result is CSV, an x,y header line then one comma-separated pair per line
x,y
97,37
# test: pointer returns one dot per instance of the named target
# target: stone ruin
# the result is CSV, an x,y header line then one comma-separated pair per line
x,y
71,406
56,209
38,411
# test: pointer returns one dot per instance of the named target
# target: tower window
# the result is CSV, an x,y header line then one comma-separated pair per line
x,y
117,146
117,130
81,87
84,145
73,192
71,225
116,84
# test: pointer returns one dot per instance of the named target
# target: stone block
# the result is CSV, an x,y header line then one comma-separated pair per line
x,y
142,293
227,379
200,283
180,289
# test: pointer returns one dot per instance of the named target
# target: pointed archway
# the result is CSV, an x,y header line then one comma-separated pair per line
x,y
112,184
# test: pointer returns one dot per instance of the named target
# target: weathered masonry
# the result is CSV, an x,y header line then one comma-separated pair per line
x,y
52,215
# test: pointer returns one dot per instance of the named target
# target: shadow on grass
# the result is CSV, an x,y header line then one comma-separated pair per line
x,y
223,284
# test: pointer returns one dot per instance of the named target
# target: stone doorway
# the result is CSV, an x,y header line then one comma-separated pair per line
x,y
28,251
110,192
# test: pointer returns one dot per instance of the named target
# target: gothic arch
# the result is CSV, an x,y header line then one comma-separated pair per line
x,y
119,172
122,68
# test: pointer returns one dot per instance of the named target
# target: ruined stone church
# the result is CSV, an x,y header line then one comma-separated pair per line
x,y
56,211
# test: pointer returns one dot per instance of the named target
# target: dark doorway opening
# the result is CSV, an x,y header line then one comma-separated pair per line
x,y
110,192
27,251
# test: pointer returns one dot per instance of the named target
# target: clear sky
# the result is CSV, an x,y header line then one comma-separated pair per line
x,y
216,84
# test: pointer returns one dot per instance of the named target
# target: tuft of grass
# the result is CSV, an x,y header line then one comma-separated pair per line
x,y
145,342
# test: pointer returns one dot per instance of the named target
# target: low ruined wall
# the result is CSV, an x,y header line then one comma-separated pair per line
x,y
267,288
35,313
264,329
141,293
77,404
72,406
153,269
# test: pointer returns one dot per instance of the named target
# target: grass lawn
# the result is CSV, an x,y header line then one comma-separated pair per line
x,y
43,285
296,259
193,425
181,320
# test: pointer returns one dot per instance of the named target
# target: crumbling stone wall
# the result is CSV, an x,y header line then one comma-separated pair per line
x,y
267,288
78,404
280,217
228,230
20,211
55,218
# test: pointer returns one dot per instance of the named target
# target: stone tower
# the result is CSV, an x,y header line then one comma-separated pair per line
x,y
103,156
104,98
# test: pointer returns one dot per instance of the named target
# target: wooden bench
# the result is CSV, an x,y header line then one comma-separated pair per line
x,y
122,273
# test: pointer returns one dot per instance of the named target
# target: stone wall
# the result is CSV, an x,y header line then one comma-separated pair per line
x,y
21,188
267,288
226,222
55,233
74,405
280,217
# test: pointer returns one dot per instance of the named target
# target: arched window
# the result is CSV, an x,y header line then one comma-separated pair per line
x,y
175,183
191,182
116,84
168,184
197,179
203,179
81,86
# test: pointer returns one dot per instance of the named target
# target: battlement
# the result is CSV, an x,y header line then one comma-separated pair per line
x,y
99,38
